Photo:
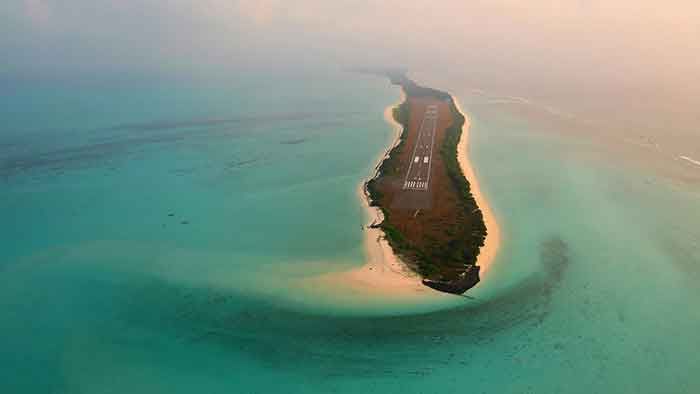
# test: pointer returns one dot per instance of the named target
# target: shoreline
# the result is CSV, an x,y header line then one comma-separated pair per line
x,y
383,273
492,242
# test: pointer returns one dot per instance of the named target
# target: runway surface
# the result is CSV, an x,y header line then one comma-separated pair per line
x,y
418,174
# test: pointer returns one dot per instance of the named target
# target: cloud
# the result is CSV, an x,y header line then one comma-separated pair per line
x,y
540,39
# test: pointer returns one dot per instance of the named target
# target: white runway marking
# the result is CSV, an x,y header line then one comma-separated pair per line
x,y
418,174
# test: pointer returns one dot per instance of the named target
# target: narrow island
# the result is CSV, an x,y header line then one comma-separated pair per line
x,y
431,219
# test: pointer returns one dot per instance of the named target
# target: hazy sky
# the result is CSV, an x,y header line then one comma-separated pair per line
x,y
535,44
629,68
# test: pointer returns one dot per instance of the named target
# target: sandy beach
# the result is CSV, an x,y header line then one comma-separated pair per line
x,y
493,239
384,274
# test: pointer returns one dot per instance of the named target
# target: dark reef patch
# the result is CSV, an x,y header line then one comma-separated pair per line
x,y
554,256
294,141
241,163
241,323
198,123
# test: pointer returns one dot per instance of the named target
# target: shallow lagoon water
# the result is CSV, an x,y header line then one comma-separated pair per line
x,y
102,291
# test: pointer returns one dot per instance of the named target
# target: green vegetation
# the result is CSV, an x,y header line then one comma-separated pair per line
x,y
396,240
460,182
414,90
400,113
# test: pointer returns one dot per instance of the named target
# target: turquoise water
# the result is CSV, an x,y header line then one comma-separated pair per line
x,y
151,227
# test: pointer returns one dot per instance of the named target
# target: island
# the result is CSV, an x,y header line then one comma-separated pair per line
x,y
431,219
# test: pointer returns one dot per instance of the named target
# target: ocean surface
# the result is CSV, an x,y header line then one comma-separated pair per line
x,y
153,231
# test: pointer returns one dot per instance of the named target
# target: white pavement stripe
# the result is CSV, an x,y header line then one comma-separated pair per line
x,y
422,152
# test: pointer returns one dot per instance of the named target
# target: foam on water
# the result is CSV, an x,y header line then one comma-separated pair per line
x,y
690,160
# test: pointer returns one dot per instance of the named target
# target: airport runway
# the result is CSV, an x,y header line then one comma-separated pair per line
x,y
418,174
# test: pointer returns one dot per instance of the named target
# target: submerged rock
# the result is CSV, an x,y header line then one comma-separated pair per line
x,y
466,281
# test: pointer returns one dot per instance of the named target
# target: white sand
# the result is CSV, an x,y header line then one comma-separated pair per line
x,y
493,239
